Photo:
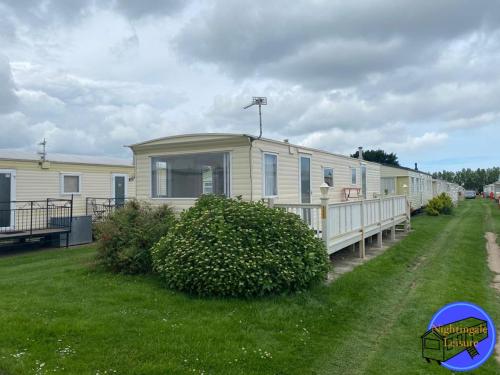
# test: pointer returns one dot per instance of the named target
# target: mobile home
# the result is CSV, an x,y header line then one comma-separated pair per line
x,y
337,196
27,181
178,169
416,185
492,189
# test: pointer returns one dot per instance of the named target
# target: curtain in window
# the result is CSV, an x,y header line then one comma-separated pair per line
x,y
71,184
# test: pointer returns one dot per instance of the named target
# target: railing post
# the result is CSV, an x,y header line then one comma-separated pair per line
x,y
408,215
70,218
31,218
362,242
324,220
47,214
270,202
393,218
379,234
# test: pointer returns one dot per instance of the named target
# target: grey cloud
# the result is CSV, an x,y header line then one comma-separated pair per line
x,y
17,131
8,99
334,42
137,9
42,13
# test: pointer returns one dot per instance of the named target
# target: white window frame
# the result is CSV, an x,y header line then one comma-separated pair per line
x,y
113,183
355,175
333,174
61,182
264,153
12,173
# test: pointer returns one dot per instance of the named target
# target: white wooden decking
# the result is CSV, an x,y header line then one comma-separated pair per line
x,y
343,224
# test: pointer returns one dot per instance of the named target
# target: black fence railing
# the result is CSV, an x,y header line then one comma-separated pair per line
x,y
28,218
100,208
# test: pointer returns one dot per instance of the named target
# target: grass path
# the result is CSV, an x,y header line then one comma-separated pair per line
x,y
56,310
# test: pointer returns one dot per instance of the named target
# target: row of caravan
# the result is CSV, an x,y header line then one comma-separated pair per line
x,y
419,187
176,170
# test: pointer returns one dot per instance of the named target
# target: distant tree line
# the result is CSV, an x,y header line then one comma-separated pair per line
x,y
471,180
378,156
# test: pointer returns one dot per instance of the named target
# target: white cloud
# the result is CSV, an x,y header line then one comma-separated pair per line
x,y
337,74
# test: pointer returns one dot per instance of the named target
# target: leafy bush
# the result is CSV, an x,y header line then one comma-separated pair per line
x,y
127,235
228,247
441,204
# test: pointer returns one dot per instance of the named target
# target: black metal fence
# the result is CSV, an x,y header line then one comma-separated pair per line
x,y
35,217
100,208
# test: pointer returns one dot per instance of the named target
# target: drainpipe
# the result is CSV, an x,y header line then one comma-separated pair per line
x,y
250,164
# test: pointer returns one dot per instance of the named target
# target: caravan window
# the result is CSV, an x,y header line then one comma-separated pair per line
x,y
328,176
189,176
353,175
70,183
270,169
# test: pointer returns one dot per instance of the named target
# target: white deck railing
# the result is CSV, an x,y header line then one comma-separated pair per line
x,y
309,213
344,223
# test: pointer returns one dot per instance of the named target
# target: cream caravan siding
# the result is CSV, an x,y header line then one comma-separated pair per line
x,y
35,183
238,147
288,172
418,188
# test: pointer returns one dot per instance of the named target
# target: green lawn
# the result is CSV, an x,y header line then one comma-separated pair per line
x,y
57,310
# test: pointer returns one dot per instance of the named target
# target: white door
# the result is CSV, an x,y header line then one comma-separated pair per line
x,y
7,198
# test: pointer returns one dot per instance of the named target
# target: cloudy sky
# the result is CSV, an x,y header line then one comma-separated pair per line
x,y
419,78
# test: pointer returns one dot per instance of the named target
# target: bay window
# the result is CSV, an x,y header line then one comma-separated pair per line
x,y
190,175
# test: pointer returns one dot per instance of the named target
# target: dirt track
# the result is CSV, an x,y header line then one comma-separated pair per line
x,y
494,264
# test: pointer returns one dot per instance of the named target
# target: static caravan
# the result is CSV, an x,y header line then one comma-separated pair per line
x,y
416,185
38,196
487,189
492,189
337,196
439,186
24,177
496,189
178,169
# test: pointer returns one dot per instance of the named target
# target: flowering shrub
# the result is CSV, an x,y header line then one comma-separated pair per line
x,y
126,236
228,247
441,204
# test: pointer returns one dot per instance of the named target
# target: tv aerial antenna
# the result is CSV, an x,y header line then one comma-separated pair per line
x,y
43,152
260,101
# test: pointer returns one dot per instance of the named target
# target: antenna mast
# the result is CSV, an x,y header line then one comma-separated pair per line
x,y
43,152
260,101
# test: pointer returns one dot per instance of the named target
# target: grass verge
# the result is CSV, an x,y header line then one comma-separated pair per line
x,y
56,310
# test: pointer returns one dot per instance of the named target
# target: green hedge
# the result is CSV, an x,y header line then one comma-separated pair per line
x,y
441,204
228,247
125,237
